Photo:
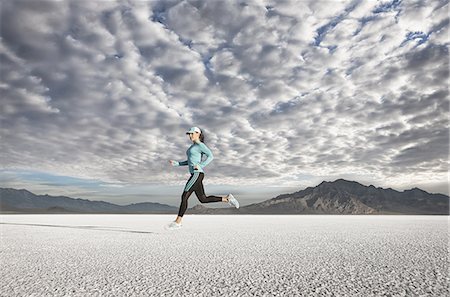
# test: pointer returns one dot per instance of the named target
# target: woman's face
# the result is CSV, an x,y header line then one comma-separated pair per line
x,y
194,136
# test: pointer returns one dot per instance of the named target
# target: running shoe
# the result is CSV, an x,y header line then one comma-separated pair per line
x,y
174,225
232,201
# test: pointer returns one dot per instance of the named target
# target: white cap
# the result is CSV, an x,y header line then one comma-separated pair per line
x,y
194,129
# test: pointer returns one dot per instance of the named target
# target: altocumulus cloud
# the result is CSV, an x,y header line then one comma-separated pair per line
x,y
289,93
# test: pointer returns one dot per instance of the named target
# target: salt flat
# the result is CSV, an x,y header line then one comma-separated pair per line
x,y
224,255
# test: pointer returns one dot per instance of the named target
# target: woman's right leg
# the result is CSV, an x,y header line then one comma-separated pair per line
x,y
195,184
188,190
183,204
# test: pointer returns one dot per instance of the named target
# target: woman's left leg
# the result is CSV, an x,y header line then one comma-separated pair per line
x,y
195,184
200,191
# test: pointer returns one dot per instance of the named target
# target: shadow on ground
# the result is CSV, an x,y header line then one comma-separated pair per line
x,y
85,227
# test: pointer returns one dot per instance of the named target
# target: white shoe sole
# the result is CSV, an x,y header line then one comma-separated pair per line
x,y
231,198
171,227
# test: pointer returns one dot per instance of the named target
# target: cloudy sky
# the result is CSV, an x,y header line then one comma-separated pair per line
x,y
97,96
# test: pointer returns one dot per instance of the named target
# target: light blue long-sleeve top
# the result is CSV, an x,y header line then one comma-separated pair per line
x,y
194,154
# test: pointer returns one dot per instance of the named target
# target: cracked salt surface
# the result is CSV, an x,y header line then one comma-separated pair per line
x,y
224,255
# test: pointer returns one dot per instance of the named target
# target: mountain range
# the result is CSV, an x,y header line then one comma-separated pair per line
x,y
338,197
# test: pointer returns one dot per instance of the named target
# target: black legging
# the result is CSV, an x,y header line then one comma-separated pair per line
x,y
194,184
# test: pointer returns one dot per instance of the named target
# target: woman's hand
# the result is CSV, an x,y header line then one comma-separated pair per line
x,y
173,162
197,167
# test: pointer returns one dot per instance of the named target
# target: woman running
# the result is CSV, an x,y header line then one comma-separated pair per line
x,y
194,183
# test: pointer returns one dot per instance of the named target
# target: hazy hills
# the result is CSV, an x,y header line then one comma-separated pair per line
x,y
337,197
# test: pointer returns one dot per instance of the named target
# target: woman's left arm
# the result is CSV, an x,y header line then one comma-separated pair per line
x,y
208,153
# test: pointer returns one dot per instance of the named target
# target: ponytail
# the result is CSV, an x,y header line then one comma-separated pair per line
x,y
202,136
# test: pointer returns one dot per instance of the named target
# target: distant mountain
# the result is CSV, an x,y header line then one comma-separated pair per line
x,y
349,197
343,197
23,201
338,197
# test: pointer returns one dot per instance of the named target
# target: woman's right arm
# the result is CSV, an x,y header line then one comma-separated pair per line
x,y
177,163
